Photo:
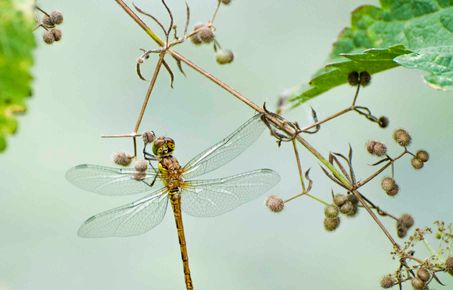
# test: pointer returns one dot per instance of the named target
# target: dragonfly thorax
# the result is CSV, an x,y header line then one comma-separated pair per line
x,y
171,172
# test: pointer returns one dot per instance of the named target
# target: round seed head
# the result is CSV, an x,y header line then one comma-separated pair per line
x,y
365,78
354,211
449,265
417,284
148,137
48,37
406,220
339,199
383,122
387,282
402,137
331,224
141,165
352,198
121,158
275,203
416,163
331,211
422,155
423,274
138,175
195,38
206,34
56,17
224,56
353,78
388,183
57,34
47,22
347,208
376,148
225,2
401,231
394,191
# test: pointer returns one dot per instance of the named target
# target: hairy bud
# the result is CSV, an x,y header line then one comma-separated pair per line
x,y
57,34
121,158
148,137
224,56
383,122
352,198
376,148
388,183
275,203
365,78
406,220
331,224
387,282
422,155
331,211
47,22
402,137
206,34
56,17
48,37
339,199
195,38
353,78
416,163
139,175
347,208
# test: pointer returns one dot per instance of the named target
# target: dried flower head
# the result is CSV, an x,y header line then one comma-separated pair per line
x,y
365,78
417,284
331,224
331,211
275,203
141,165
383,122
423,274
224,56
148,137
56,17
406,220
422,155
121,158
353,78
449,265
376,148
206,34
339,199
416,163
402,137
48,37
387,282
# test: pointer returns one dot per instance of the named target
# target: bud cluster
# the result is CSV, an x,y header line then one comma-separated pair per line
x,y
49,23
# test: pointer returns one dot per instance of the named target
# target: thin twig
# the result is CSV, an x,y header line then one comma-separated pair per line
x,y
299,166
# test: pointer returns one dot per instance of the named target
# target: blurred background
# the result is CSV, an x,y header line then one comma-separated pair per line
x,y
86,86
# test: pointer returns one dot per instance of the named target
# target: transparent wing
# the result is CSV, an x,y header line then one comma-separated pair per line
x,y
226,150
206,198
129,220
110,180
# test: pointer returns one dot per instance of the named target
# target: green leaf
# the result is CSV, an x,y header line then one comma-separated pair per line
x,y
412,33
16,48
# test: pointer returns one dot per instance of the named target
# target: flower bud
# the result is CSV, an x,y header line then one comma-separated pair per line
x,y
139,175
331,211
224,56
56,17
394,191
57,34
331,224
352,198
416,163
353,78
365,78
423,274
407,220
206,34
121,158
148,137
47,22
417,284
388,183
387,282
402,137
339,199
48,37
195,38
141,165
347,208
376,148
401,231
383,122
422,155
275,203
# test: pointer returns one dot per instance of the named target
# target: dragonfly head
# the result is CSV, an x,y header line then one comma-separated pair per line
x,y
163,146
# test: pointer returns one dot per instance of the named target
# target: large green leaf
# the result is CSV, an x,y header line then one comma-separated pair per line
x,y
423,28
16,48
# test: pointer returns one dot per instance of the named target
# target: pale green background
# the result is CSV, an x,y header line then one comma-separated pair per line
x,y
86,86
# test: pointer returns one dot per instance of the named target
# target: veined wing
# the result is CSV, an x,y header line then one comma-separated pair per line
x,y
128,220
206,198
226,150
110,180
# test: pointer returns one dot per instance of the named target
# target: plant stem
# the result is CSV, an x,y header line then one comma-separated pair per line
x,y
307,194
299,166
342,112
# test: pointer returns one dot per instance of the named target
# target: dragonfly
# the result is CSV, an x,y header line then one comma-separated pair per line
x,y
176,184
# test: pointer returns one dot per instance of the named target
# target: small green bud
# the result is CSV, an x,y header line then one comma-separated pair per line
x,y
331,211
